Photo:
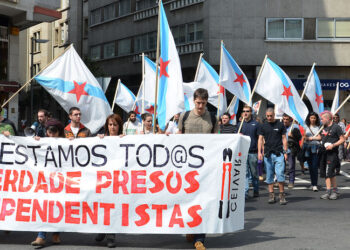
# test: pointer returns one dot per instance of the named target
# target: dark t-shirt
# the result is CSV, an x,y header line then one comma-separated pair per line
x,y
227,129
251,129
334,132
272,133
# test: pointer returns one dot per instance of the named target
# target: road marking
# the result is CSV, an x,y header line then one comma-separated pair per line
x,y
344,174
308,188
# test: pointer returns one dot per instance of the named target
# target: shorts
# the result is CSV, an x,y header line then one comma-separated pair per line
x,y
274,165
328,163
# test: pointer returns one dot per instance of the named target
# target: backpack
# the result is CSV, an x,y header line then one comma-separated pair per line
x,y
187,113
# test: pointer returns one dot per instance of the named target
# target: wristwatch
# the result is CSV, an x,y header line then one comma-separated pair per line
x,y
284,151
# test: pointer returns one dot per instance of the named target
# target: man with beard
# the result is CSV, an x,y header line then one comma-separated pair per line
x,y
132,126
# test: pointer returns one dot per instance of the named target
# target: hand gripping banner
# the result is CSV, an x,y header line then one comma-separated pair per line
x,y
136,184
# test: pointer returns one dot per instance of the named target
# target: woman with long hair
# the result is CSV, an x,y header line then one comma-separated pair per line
x,y
311,145
112,127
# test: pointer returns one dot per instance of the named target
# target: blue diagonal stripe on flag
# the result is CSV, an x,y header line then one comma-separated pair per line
x,y
287,85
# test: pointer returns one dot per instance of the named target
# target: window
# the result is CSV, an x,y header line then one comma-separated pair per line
x,y
145,42
36,35
95,16
124,7
332,28
3,33
145,4
284,28
124,47
36,68
190,32
86,27
95,52
56,36
109,50
109,12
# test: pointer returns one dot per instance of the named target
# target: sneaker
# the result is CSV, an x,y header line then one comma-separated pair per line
x,y
290,185
271,198
100,237
315,188
325,196
283,200
256,194
111,241
199,245
39,242
56,239
333,196
190,237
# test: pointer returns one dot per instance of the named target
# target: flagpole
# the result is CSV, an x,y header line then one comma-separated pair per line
x,y
232,101
307,81
222,42
30,80
343,103
198,65
257,79
257,112
157,62
115,94
143,83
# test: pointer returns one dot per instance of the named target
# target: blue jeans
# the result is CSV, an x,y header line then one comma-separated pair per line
x,y
252,172
274,165
43,235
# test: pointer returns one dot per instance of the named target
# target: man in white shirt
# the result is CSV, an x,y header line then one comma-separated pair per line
x,y
132,126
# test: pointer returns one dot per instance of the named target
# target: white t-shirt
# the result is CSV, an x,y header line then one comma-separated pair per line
x,y
133,128
75,131
172,127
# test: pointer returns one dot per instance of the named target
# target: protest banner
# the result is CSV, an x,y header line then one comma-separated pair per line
x,y
136,184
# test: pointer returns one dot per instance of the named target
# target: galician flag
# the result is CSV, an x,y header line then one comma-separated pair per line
x,y
189,88
233,109
71,83
335,103
232,77
170,91
313,91
275,86
145,97
256,107
124,98
209,80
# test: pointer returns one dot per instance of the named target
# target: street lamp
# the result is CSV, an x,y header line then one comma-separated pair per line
x,y
34,41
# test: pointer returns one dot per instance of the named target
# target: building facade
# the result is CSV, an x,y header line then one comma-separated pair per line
x,y
56,36
15,16
293,33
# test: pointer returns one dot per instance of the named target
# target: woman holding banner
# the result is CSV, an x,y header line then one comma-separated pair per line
x,y
311,144
112,127
54,128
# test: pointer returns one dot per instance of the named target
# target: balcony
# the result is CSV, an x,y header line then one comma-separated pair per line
x,y
147,13
178,4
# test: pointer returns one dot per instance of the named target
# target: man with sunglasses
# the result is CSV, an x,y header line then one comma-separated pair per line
x,y
75,129
274,153
250,128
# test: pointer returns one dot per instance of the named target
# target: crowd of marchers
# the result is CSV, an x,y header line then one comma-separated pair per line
x,y
276,145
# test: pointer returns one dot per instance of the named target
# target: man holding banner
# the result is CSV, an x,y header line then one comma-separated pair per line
x,y
198,121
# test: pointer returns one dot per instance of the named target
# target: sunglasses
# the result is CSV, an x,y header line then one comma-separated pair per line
x,y
246,111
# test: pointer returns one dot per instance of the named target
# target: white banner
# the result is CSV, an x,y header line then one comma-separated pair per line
x,y
160,184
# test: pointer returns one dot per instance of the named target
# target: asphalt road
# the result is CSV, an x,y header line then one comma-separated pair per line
x,y
305,223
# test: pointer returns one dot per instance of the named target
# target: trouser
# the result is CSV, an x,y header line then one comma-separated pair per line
x,y
252,172
312,161
199,237
291,167
43,235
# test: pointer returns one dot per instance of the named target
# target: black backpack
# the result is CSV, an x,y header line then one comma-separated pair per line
x,y
187,113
